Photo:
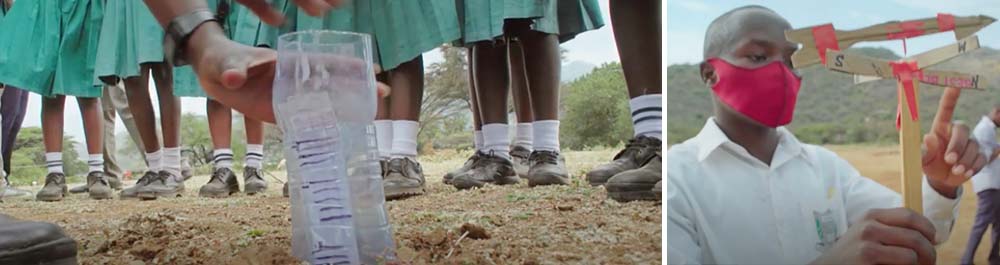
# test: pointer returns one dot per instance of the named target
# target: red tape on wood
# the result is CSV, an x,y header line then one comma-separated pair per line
x,y
946,22
906,73
907,29
825,38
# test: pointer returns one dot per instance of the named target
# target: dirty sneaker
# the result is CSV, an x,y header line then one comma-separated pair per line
x,y
403,178
465,167
222,184
253,183
520,157
166,185
132,192
547,168
98,186
54,189
113,182
8,191
636,152
488,168
637,184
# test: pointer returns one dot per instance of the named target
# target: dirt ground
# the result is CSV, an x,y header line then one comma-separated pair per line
x,y
882,165
573,224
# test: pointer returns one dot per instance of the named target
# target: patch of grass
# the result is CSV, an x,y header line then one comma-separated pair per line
x,y
254,233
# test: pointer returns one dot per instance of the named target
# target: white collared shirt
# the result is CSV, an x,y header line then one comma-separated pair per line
x,y
726,207
986,135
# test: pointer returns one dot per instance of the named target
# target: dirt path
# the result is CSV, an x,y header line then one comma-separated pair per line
x,y
573,224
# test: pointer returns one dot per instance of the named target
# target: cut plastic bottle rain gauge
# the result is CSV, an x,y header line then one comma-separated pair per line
x,y
324,102
823,44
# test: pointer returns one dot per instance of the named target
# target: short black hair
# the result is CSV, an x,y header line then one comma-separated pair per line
x,y
720,32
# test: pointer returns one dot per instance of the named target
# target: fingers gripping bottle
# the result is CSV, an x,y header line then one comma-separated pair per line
x,y
324,102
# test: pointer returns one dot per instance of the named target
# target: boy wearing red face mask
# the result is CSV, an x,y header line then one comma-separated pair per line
x,y
746,191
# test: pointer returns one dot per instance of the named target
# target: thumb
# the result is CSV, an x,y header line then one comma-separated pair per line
x,y
235,68
932,147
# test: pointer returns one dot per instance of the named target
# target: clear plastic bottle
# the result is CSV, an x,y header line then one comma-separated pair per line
x,y
324,102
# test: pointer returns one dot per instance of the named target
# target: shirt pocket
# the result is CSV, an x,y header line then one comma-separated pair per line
x,y
824,218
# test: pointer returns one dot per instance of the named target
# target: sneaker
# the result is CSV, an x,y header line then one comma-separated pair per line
x,y
465,167
7,191
253,183
404,177
98,186
637,184
222,184
547,168
520,157
113,181
54,189
166,185
27,242
635,154
488,168
132,192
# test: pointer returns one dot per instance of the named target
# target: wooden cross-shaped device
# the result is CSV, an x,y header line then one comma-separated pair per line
x,y
822,45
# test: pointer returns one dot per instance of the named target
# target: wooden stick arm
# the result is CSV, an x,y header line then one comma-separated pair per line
x,y
808,55
867,66
945,53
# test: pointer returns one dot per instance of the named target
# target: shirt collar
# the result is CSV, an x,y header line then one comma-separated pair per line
x,y
711,138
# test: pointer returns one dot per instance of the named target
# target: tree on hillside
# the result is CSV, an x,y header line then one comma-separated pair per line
x,y
446,98
196,139
596,109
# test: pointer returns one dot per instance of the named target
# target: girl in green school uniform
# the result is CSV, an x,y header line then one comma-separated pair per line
x,y
518,41
130,47
242,26
49,48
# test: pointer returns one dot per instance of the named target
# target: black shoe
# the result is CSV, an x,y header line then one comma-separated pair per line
x,y
253,183
222,184
98,186
547,168
636,153
25,242
166,185
133,192
489,168
637,184
55,188
403,178
465,167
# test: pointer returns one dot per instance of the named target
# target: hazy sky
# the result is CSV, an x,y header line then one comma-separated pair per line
x,y
594,47
688,19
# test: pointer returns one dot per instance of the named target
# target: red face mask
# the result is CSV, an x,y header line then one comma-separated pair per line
x,y
766,94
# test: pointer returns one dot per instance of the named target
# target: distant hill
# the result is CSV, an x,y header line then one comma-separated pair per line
x,y
831,108
575,69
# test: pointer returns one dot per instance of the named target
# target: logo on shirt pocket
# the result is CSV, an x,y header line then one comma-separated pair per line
x,y
826,228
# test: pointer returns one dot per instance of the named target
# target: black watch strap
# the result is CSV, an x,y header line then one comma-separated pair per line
x,y
179,31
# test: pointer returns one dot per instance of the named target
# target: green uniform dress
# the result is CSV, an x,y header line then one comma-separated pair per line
x,y
483,20
49,47
130,36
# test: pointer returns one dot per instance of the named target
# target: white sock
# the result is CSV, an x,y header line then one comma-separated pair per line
x,y
222,158
546,135
95,162
524,135
404,138
172,160
155,160
496,139
383,136
255,156
53,161
477,140
647,115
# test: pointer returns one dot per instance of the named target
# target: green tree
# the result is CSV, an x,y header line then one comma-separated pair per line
x,y
444,112
196,139
28,160
596,109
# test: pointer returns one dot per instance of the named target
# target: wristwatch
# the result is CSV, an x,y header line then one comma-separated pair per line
x,y
179,31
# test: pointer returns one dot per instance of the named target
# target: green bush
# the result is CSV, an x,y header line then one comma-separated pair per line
x,y
596,111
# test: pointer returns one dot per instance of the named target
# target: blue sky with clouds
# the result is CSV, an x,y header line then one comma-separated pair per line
x,y
688,19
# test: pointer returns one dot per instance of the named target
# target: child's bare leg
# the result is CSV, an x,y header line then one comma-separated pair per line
x,y
52,136
170,117
137,91
253,182
637,33
477,125
541,53
220,126
523,139
383,124
403,176
98,186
